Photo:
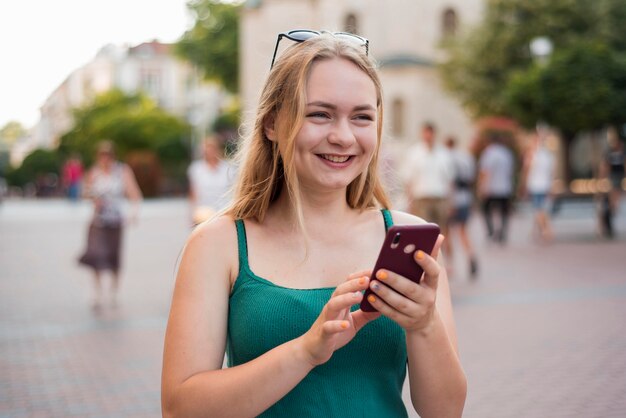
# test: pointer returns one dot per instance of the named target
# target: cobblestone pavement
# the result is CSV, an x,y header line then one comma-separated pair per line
x,y
541,332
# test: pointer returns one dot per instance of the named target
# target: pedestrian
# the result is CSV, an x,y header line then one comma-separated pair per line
x,y
107,183
612,169
495,185
537,178
462,201
210,181
275,280
428,176
72,176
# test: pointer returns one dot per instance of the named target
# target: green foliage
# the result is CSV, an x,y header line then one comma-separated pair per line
x,y
580,87
132,122
213,42
37,163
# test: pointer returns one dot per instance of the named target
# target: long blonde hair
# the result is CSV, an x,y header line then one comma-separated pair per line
x,y
263,170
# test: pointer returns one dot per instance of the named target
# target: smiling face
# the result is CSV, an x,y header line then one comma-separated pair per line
x,y
338,135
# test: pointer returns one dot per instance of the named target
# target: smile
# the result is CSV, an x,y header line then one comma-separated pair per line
x,y
335,158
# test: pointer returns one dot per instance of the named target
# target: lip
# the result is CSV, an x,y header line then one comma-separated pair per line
x,y
336,164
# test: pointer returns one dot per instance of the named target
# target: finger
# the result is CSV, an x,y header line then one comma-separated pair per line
x,y
352,285
437,247
431,268
406,301
360,318
337,304
388,281
385,309
363,273
335,326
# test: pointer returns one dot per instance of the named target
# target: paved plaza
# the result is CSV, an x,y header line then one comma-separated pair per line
x,y
542,331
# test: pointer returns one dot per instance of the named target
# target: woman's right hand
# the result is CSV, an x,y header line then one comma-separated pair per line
x,y
336,325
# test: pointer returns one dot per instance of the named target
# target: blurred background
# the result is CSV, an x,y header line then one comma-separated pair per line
x,y
541,325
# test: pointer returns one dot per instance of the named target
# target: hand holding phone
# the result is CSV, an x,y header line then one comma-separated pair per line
x,y
397,253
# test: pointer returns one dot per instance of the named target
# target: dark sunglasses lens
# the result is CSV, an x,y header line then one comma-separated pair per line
x,y
301,35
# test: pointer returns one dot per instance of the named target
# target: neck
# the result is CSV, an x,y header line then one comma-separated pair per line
x,y
321,212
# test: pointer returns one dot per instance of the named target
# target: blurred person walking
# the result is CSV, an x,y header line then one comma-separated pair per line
x,y
107,183
72,175
428,174
495,185
461,202
538,172
612,169
210,181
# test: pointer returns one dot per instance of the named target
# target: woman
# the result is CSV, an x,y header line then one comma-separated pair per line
x,y
107,183
274,280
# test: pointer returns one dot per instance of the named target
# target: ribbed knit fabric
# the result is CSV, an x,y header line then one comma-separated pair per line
x,y
362,379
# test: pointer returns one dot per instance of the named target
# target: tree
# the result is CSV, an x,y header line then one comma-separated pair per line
x,y
136,125
213,42
11,132
581,87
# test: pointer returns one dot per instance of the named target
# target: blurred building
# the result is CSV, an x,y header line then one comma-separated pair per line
x,y
151,68
405,38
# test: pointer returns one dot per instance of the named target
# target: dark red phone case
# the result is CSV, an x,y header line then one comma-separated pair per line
x,y
396,257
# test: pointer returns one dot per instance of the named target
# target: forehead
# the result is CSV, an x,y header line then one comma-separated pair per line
x,y
340,81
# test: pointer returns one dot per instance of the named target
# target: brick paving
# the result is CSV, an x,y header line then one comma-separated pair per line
x,y
541,332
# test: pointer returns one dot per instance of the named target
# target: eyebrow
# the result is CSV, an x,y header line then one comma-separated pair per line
x,y
333,107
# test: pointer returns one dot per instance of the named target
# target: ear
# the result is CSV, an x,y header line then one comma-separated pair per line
x,y
268,128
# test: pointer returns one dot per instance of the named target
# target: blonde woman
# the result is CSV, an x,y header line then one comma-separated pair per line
x,y
275,281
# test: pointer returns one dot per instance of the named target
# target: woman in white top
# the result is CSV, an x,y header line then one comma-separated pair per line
x,y
107,184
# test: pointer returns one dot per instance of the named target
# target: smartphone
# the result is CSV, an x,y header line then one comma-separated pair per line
x,y
398,250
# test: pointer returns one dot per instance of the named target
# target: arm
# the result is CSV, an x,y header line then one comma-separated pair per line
x,y
437,381
193,383
133,192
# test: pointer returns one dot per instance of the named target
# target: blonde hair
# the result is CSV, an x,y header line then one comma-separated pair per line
x,y
263,170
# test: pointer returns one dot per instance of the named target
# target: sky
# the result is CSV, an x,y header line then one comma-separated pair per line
x,y
43,41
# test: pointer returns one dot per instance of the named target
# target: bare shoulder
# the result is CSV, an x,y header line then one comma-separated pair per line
x,y
404,218
212,246
217,233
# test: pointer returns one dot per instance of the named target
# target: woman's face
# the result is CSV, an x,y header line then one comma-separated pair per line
x,y
339,133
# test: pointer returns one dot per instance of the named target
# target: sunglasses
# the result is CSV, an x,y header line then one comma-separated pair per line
x,y
301,35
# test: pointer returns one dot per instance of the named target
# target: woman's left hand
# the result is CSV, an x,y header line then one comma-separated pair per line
x,y
410,304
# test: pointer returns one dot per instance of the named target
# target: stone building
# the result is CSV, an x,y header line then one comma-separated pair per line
x,y
405,38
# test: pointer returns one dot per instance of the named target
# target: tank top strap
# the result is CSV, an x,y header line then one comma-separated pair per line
x,y
388,219
242,244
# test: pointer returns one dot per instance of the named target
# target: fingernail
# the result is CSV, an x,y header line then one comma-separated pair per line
x,y
345,324
362,280
371,299
419,255
356,294
375,286
381,274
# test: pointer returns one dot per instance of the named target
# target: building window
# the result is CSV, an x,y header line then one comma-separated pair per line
x,y
449,23
151,82
351,24
397,117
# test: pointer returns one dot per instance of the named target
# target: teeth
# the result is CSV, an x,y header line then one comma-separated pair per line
x,y
336,158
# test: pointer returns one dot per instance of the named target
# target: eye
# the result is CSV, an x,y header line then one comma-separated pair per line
x,y
321,115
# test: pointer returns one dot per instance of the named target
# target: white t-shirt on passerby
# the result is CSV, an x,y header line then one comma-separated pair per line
x,y
428,172
211,186
540,171
497,161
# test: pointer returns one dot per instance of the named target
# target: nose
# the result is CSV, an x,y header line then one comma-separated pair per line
x,y
341,133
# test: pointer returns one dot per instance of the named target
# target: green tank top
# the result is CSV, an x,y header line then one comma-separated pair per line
x,y
362,379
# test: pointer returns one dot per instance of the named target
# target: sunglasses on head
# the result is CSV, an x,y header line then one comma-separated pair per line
x,y
301,35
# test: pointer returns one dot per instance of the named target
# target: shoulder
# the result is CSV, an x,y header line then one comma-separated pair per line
x,y
212,246
404,218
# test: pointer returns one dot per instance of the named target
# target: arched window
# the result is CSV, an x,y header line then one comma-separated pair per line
x,y
397,117
351,24
449,22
